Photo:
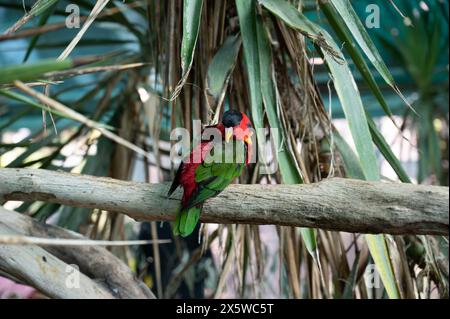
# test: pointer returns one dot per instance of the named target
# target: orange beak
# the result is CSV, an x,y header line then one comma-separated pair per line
x,y
248,138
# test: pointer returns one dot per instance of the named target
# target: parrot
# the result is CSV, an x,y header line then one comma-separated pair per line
x,y
203,177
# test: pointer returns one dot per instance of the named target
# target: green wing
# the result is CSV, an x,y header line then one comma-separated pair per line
x,y
215,173
212,178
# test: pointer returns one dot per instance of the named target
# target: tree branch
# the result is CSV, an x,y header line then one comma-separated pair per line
x,y
35,266
102,274
334,204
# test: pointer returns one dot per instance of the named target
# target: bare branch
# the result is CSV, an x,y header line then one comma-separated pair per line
x,y
47,273
334,204
106,68
42,241
102,275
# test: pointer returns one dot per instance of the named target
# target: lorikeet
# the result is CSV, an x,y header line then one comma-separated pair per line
x,y
204,175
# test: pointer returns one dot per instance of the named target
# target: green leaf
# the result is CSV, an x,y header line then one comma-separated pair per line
x,y
349,96
192,11
352,278
220,68
385,149
257,53
288,167
380,254
27,72
42,21
343,33
344,84
292,17
309,236
247,20
351,102
361,36
41,6
351,162
26,100
338,26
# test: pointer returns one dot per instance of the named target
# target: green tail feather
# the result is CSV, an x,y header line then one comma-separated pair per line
x,y
186,221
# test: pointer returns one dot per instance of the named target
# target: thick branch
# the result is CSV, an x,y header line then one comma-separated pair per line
x,y
335,204
37,267
95,262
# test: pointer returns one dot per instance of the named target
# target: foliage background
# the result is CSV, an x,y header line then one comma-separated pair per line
x,y
279,66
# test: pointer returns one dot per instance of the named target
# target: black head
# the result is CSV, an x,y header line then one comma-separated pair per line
x,y
231,118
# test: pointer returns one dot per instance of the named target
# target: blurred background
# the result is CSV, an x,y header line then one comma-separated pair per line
x,y
139,67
